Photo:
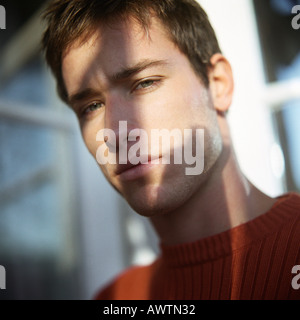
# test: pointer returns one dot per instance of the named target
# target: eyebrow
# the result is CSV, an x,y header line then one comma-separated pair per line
x,y
121,75
81,95
139,67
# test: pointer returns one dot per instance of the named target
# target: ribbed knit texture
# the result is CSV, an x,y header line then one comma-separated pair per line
x,y
251,261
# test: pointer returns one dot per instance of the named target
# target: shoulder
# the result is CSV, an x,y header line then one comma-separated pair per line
x,y
291,198
286,216
131,284
287,211
289,206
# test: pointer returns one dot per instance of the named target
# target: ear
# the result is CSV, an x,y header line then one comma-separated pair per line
x,y
221,82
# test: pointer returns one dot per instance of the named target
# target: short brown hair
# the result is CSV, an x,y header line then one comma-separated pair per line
x,y
184,20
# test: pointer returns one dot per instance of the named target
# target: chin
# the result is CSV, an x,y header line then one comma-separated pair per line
x,y
152,208
152,200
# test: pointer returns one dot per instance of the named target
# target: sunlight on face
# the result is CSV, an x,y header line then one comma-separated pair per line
x,y
121,74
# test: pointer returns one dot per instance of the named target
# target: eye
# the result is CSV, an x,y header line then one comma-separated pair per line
x,y
93,107
145,84
148,84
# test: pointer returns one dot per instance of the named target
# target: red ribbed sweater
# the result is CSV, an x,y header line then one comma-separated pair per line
x,y
251,261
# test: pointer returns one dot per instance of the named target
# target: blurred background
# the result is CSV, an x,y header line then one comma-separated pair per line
x,y
64,232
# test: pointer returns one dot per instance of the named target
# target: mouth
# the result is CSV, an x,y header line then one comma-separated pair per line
x,y
131,171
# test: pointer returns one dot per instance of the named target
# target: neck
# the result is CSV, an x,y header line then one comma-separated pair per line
x,y
226,200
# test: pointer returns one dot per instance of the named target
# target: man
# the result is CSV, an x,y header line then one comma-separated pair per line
x,y
157,65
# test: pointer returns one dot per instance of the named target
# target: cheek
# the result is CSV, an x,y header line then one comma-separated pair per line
x,y
175,105
89,130
89,137
191,99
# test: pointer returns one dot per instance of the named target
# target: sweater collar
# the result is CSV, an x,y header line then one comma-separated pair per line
x,y
225,243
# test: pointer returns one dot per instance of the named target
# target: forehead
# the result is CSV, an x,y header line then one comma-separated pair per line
x,y
115,46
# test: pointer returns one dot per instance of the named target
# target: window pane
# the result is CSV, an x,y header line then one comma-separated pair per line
x,y
281,53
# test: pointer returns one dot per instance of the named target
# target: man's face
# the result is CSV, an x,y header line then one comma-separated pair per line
x,y
122,73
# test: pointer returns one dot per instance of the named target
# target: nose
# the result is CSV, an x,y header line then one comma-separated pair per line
x,y
118,119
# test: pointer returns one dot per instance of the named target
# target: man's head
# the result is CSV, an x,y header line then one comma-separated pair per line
x,y
153,64
184,21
